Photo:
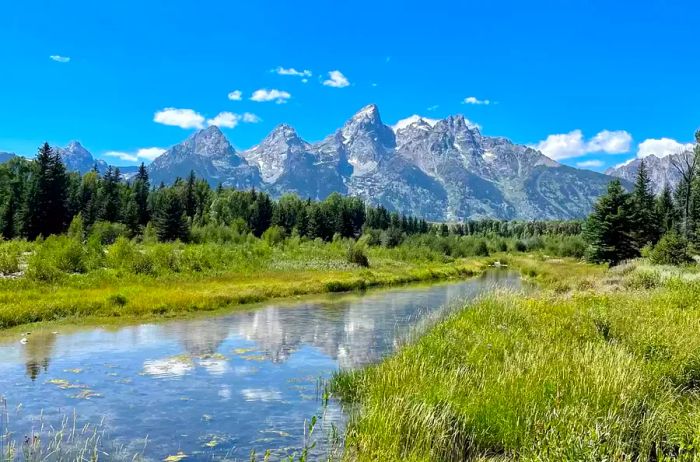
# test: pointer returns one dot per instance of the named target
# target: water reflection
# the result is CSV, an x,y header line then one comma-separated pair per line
x,y
250,376
37,353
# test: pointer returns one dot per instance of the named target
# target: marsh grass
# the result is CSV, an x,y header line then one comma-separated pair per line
x,y
69,441
575,375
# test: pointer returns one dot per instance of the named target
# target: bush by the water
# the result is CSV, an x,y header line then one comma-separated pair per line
x,y
357,255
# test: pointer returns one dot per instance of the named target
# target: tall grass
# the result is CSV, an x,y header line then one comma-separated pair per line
x,y
69,441
613,375
63,277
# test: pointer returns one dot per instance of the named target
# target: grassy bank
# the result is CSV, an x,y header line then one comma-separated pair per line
x,y
60,280
599,366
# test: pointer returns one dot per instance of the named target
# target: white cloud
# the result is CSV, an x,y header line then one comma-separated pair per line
x,y
661,147
250,118
475,100
60,59
225,119
433,107
291,71
235,95
183,118
125,156
149,153
143,154
264,95
573,144
593,163
336,79
612,142
562,146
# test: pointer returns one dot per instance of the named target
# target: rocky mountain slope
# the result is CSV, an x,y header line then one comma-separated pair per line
x,y
78,159
6,156
661,171
211,156
437,169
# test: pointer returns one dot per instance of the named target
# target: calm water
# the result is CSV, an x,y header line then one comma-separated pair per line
x,y
215,387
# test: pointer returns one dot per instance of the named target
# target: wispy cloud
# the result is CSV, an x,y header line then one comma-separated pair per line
x,y
475,100
293,72
573,144
125,156
265,95
183,118
336,79
225,119
60,59
433,107
592,163
143,154
235,95
250,118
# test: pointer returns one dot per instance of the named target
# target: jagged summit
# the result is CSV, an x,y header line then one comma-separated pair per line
x,y
437,169
78,159
414,120
661,171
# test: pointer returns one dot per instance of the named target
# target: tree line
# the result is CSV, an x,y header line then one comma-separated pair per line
x,y
665,227
41,198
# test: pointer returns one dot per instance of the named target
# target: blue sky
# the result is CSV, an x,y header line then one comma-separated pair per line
x,y
593,82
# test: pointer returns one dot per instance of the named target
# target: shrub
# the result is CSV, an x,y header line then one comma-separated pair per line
x,y
481,249
672,249
76,230
520,246
107,233
142,263
572,246
121,253
165,257
391,237
357,255
69,256
10,254
274,235
643,278
41,269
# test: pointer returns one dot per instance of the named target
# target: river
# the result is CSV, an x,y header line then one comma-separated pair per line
x,y
216,387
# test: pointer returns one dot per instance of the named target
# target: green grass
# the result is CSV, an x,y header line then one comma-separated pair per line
x,y
63,280
607,371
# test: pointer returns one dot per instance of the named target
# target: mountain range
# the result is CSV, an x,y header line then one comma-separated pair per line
x,y
661,170
6,156
435,169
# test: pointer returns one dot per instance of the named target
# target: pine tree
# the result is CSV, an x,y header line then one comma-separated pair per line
x,y
608,229
645,220
190,198
686,164
8,225
109,196
141,187
169,217
46,207
666,211
88,196
260,213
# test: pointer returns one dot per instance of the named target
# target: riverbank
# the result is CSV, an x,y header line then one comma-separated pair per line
x,y
600,365
229,276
